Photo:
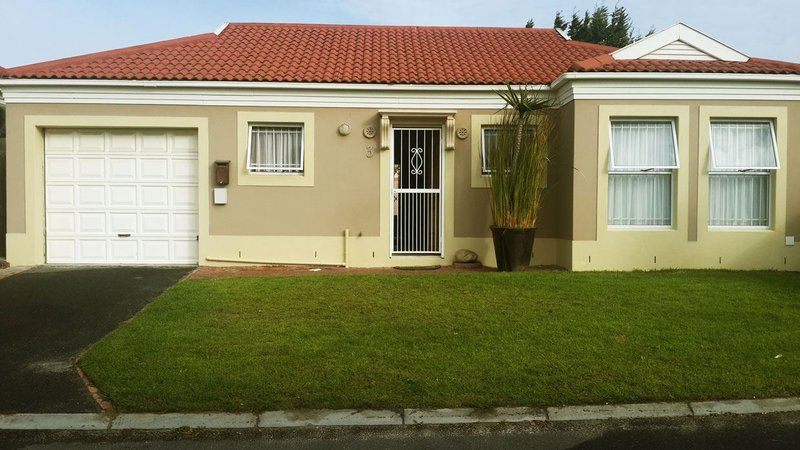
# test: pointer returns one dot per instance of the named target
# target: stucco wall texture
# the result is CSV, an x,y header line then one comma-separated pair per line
x,y
346,189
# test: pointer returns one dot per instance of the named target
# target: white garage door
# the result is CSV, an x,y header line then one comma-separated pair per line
x,y
121,196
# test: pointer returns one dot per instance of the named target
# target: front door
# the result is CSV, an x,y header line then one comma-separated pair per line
x,y
417,192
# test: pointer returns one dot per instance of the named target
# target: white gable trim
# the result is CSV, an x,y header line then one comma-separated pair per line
x,y
685,34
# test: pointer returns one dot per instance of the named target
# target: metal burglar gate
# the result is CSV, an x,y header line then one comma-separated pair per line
x,y
417,225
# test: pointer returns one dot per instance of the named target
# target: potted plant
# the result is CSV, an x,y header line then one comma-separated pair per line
x,y
518,167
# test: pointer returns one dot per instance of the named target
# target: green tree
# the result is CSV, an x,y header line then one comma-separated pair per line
x,y
578,29
529,23
560,23
600,26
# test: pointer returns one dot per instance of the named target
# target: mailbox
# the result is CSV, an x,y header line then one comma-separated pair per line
x,y
222,173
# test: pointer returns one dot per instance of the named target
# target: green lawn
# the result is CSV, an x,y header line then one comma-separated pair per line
x,y
480,340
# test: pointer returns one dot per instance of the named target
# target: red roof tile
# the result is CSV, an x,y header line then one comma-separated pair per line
x,y
369,54
606,63
336,53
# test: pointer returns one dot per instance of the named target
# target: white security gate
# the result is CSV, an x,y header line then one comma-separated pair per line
x,y
121,196
417,191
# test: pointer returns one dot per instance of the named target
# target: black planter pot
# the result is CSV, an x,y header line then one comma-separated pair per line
x,y
513,248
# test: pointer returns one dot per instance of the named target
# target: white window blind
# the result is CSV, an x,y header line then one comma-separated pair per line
x,y
743,146
643,156
488,143
640,199
739,200
275,149
743,157
642,145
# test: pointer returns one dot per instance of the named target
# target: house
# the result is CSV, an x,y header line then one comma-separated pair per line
x,y
364,145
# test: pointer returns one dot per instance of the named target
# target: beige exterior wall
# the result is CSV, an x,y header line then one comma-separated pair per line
x,y
267,220
340,215
690,243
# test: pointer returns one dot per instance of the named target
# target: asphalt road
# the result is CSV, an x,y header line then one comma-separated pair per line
x,y
778,431
49,314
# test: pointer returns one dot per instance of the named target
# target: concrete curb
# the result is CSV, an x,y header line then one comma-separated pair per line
x,y
179,420
54,422
328,417
469,415
352,417
631,411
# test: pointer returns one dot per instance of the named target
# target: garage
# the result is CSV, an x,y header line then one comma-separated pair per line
x,y
121,196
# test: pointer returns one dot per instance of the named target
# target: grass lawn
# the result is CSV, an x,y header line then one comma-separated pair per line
x,y
479,340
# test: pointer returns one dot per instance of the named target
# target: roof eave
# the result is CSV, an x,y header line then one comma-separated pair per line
x,y
700,76
259,84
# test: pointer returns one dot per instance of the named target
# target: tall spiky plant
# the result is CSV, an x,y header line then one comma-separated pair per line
x,y
518,162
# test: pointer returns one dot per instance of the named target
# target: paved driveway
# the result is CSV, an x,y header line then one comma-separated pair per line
x,y
48,315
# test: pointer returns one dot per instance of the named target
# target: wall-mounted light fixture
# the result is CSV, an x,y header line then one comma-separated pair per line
x,y
344,129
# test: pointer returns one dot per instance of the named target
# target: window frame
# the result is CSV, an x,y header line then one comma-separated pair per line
x,y
485,171
611,164
291,172
768,172
770,203
672,193
641,170
713,160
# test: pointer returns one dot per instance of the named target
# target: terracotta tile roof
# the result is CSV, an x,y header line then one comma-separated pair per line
x,y
336,53
606,63
369,54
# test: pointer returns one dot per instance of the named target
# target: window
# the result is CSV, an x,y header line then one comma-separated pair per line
x,y
488,143
643,156
743,156
275,149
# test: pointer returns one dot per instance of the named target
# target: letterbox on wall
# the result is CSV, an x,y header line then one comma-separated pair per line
x,y
222,171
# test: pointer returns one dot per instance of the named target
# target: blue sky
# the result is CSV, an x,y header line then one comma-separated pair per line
x,y
40,30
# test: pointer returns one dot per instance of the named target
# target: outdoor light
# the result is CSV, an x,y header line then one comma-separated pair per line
x,y
344,129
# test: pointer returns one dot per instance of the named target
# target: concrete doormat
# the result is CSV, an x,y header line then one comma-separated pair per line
x,y
351,417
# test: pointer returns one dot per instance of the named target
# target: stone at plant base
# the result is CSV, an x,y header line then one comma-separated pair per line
x,y
466,256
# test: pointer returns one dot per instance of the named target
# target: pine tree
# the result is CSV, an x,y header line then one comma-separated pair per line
x,y
598,25
529,23
559,22
621,28
575,26
601,26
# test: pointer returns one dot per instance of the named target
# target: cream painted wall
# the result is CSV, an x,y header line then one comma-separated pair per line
x,y
307,224
689,244
301,223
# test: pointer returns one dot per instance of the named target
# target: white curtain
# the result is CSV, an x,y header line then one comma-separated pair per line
x,y
489,142
642,144
640,199
742,145
739,200
276,149
639,194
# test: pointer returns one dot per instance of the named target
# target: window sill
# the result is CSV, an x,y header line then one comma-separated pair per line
x,y
275,179
481,182
641,228
279,174
740,229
